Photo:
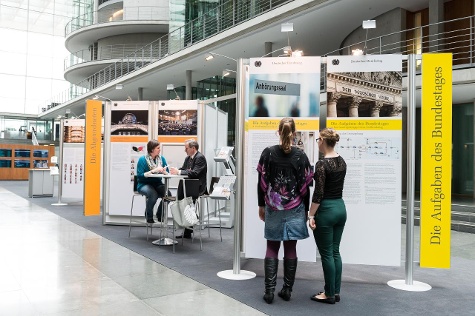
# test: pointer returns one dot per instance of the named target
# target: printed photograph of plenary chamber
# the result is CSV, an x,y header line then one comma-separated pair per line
x,y
178,122
128,123
364,94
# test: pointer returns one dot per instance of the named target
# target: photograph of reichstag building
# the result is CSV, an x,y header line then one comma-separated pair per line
x,y
364,94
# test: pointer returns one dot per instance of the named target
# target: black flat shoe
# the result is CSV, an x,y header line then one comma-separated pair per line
x,y
337,296
328,300
183,236
150,221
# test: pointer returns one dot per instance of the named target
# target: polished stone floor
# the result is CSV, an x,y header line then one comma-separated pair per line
x,y
50,266
54,261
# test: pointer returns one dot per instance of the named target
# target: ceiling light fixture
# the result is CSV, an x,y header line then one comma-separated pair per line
x,y
212,54
227,72
367,24
170,87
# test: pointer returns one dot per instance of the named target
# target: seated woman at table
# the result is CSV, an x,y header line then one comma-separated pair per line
x,y
152,188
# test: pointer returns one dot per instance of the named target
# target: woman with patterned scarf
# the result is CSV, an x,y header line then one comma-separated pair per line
x,y
152,188
283,194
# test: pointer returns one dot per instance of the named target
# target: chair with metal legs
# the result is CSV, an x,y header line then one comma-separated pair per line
x,y
135,194
205,197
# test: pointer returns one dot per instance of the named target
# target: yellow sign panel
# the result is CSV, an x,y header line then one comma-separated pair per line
x,y
92,158
436,160
365,124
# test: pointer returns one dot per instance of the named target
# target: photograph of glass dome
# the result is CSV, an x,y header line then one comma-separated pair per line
x,y
129,123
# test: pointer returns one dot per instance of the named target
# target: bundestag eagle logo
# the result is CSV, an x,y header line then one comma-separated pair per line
x,y
257,63
335,62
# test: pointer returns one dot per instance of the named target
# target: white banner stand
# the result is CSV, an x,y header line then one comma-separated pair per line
x,y
236,273
60,183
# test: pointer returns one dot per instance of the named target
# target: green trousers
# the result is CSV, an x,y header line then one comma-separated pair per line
x,y
330,221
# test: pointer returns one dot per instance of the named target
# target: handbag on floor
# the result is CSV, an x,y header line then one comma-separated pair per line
x,y
184,212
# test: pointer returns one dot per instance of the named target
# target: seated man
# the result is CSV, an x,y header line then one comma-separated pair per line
x,y
195,167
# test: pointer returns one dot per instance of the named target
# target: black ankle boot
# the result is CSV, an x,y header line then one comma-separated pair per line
x,y
270,278
290,267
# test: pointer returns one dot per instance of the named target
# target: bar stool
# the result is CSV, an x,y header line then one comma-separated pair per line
x,y
204,197
137,193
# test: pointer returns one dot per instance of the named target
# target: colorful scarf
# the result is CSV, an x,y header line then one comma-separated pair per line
x,y
153,163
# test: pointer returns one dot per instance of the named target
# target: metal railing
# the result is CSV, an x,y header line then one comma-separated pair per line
x,y
107,52
145,13
213,22
457,38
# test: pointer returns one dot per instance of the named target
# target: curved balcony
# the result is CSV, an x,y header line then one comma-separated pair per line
x,y
213,22
116,13
113,21
83,63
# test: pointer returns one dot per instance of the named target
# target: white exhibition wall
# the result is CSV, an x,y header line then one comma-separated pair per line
x,y
284,87
372,191
128,127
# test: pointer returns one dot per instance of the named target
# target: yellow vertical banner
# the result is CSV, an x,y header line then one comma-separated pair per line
x,y
92,158
436,160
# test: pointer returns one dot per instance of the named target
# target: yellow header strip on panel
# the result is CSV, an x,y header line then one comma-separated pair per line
x,y
365,124
128,139
273,124
436,160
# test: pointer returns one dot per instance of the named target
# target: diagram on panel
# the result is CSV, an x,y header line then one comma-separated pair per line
x,y
368,148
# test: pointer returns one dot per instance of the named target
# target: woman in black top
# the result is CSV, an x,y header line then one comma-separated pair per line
x,y
327,215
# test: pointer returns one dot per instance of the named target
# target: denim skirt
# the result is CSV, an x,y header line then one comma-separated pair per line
x,y
286,224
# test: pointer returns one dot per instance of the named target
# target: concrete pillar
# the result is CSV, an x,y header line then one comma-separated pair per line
x,y
268,49
353,108
140,94
95,12
436,14
331,104
188,95
376,108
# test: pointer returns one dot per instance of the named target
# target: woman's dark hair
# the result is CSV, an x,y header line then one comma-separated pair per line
x,y
151,145
286,132
329,136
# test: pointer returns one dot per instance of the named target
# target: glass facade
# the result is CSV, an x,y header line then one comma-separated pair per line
x,y
32,52
462,150
218,86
